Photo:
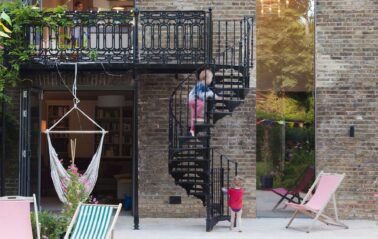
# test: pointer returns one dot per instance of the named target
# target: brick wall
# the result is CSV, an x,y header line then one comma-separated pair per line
x,y
155,183
223,9
11,143
85,80
346,95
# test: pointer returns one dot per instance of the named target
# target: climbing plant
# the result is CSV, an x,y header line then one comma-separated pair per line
x,y
14,48
5,19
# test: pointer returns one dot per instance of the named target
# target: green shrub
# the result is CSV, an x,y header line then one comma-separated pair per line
x,y
302,135
52,225
300,160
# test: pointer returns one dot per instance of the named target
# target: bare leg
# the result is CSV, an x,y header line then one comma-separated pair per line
x,y
239,220
232,221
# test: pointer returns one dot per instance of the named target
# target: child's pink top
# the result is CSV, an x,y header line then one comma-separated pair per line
x,y
235,200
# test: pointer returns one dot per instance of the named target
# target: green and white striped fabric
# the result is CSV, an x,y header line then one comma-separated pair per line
x,y
92,222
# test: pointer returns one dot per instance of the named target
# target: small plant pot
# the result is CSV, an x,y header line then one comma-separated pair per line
x,y
266,181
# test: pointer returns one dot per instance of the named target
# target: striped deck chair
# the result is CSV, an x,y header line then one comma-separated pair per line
x,y
313,205
15,215
93,221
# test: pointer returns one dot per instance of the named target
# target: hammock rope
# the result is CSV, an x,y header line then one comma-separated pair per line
x,y
59,174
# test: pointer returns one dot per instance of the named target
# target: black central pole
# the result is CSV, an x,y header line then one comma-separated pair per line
x,y
135,125
135,152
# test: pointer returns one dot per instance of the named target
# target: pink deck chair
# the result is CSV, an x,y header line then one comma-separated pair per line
x,y
313,205
15,220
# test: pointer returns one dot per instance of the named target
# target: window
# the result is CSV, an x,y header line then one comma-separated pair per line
x,y
87,5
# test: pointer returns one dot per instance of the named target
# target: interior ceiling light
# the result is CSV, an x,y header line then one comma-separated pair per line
x,y
273,6
118,8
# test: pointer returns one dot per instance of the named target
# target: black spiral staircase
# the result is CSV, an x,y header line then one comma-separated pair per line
x,y
194,163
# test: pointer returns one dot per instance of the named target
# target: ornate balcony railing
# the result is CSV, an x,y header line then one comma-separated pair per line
x,y
173,37
91,37
146,37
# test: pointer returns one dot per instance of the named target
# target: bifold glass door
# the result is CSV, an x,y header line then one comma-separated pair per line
x,y
30,143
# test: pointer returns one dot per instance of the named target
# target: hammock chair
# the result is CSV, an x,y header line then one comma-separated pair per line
x,y
59,174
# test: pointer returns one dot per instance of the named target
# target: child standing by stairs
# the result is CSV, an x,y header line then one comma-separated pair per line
x,y
235,202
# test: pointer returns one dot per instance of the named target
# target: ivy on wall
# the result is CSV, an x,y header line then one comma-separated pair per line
x,y
14,47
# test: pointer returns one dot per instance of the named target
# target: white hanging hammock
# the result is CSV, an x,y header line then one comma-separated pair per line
x,y
59,174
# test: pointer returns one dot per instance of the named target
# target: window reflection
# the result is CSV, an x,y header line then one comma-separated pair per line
x,y
90,5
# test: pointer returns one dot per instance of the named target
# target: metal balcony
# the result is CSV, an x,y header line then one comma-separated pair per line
x,y
146,39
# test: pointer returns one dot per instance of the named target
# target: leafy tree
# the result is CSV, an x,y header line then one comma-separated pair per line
x,y
285,51
286,106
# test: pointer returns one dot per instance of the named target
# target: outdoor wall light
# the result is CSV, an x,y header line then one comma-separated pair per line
x,y
351,131
43,126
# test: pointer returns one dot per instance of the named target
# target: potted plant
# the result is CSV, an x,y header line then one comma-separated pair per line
x,y
266,179
76,192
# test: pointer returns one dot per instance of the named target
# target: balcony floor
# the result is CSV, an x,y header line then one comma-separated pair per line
x,y
141,68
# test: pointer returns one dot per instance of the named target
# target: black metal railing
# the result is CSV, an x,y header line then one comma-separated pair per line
x,y
232,41
146,37
150,37
173,37
89,37
223,170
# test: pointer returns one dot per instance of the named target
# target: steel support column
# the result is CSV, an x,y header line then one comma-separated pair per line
x,y
135,125
135,152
